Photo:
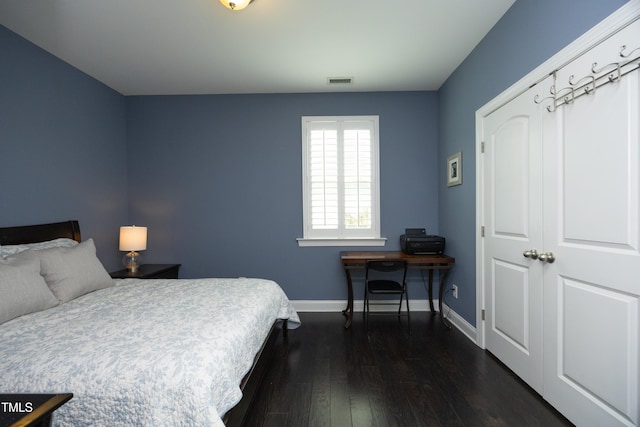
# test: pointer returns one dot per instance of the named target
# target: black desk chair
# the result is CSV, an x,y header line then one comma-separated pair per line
x,y
386,278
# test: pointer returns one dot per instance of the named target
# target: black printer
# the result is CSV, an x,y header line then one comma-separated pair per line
x,y
417,241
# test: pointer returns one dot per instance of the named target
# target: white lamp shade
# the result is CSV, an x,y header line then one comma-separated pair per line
x,y
133,238
235,4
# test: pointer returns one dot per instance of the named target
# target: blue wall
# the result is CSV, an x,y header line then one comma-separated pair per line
x,y
218,181
528,34
62,146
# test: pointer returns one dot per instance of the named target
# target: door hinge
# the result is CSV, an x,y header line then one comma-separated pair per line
x,y
482,231
482,147
483,314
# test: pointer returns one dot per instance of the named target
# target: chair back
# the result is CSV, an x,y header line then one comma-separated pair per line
x,y
387,266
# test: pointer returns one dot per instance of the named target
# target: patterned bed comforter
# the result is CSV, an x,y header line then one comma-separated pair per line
x,y
144,352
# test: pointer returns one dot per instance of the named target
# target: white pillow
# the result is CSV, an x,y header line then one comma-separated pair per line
x,y
72,272
9,250
22,288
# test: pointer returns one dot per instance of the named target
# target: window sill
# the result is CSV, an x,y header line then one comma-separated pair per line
x,y
302,242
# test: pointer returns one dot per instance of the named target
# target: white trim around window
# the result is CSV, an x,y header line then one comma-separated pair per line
x,y
341,185
341,242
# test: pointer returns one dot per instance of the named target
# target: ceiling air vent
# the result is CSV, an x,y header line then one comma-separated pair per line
x,y
340,80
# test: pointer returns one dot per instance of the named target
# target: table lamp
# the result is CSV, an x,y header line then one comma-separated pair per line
x,y
132,239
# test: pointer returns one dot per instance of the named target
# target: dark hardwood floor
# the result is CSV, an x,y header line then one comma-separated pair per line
x,y
324,375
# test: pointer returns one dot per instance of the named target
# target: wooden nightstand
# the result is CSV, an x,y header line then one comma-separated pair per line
x,y
149,271
33,410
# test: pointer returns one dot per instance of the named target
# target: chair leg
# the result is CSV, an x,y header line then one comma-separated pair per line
x,y
406,291
365,308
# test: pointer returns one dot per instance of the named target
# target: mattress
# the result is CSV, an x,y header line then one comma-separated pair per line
x,y
144,352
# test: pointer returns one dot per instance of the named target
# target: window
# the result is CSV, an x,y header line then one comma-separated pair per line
x,y
341,186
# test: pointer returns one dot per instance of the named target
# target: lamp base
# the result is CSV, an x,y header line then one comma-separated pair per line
x,y
131,261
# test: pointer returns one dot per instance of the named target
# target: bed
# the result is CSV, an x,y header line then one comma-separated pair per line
x,y
162,352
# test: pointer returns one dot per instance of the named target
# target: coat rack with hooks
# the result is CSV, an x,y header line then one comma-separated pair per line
x,y
587,85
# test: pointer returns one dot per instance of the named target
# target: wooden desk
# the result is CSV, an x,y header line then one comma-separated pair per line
x,y
357,259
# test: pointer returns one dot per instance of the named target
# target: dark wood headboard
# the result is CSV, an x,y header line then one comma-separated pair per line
x,y
39,233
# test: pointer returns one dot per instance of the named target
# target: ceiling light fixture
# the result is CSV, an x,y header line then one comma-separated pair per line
x,y
236,4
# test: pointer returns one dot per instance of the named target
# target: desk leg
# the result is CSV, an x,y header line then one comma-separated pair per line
x,y
433,310
440,297
349,310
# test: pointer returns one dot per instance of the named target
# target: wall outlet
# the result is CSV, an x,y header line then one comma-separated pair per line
x,y
455,291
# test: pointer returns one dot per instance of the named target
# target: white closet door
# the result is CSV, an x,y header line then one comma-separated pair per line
x,y
592,290
512,138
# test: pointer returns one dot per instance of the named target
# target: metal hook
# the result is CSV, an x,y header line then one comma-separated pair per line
x,y
588,87
613,77
550,108
569,97
623,48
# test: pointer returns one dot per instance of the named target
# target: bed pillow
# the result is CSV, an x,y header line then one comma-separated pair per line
x,y
22,288
9,250
72,272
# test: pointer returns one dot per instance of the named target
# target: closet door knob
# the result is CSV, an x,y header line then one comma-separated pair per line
x,y
532,253
548,257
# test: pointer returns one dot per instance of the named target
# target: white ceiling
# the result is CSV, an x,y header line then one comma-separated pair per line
x,y
144,47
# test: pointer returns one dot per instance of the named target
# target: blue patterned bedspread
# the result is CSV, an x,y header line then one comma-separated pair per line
x,y
144,352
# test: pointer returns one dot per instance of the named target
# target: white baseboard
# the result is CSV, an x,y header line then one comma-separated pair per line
x,y
336,306
459,322
339,305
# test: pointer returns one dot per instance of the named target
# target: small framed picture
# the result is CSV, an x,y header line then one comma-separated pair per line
x,y
454,169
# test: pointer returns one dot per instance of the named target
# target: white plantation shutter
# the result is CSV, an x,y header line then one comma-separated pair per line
x,y
357,178
340,165
324,178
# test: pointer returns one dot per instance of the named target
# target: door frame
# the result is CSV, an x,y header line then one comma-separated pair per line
x,y
622,17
